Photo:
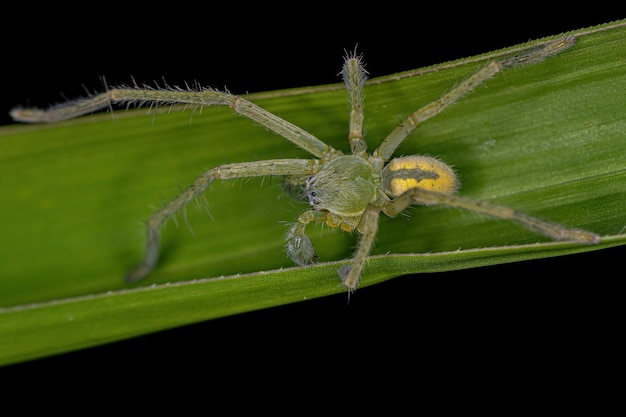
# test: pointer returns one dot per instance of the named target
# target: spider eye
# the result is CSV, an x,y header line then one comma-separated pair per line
x,y
311,195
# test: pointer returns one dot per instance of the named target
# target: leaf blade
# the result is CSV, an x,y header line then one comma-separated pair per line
x,y
530,140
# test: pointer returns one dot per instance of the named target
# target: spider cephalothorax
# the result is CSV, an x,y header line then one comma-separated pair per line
x,y
344,186
345,191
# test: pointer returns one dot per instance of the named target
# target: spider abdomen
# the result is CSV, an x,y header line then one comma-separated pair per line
x,y
344,186
418,171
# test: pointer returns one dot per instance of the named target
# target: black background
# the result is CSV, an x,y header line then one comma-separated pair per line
x,y
541,320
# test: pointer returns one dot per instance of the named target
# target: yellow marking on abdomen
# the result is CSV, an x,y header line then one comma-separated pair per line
x,y
423,172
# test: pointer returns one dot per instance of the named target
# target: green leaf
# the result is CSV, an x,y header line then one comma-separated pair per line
x,y
546,139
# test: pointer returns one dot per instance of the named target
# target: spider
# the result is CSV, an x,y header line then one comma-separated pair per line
x,y
348,191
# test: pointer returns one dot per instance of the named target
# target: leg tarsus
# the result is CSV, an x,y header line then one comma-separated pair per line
x,y
153,239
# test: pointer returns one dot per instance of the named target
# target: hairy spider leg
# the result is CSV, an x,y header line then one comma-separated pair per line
x,y
204,97
551,230
368,228
354,76
404,129
223,172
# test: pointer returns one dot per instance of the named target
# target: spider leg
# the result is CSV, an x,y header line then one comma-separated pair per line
x,y
223,172
404,129
551,230
204,97
368,227
354,76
